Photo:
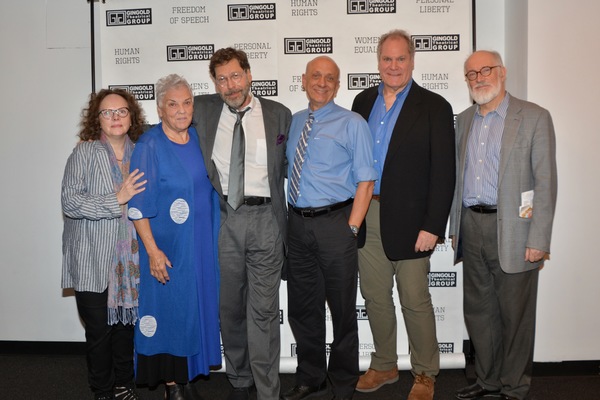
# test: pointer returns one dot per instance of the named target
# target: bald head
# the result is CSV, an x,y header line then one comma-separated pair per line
x,y
321,81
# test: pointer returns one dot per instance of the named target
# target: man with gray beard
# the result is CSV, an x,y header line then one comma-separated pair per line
x,y
501,224
253,218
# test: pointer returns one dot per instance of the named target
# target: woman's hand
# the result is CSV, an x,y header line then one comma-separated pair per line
x,y
158,266
131,187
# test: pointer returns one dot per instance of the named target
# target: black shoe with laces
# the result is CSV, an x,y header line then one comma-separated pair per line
x,y
126,393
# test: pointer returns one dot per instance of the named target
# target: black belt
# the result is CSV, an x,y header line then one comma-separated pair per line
x,y
315,212
254,200
484,209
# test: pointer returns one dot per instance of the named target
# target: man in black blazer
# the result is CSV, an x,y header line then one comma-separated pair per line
x,y
413,136
253,235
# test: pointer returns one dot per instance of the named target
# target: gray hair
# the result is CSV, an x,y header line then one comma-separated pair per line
x,y
493,53
396,34
168,82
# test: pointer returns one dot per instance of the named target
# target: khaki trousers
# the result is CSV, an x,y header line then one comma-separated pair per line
x,y
377,277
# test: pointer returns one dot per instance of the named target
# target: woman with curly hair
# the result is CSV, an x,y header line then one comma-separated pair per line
x,y
100,250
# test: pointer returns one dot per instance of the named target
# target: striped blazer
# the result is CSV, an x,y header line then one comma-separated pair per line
x,y
91,215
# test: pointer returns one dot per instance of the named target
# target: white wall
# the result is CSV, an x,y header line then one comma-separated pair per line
x,y
550,48
45,80
564,53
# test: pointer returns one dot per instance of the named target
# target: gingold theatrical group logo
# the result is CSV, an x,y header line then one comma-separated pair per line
x,y
251,12
371,6
190,52
360,81
308,45
264,88
142,91
442,279
135,16
361,313
446,347
448,42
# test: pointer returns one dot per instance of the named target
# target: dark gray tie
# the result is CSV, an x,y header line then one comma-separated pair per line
x,y
235,196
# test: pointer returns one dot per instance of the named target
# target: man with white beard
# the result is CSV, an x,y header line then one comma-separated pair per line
x,y
501,225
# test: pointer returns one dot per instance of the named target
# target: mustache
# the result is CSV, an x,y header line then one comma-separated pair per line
x,y
481,85
233,91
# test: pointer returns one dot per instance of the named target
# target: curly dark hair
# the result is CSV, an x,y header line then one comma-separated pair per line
x,y
90,123
223,56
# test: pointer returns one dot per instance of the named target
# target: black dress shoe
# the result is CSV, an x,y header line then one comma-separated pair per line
x,y
240,393
304,392
474,391
174,392
507,397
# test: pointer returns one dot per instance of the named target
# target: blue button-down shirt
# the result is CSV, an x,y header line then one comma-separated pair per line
x,y
339,155
482,161
381,124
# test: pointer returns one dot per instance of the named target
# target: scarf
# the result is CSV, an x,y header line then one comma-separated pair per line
x,y
124,272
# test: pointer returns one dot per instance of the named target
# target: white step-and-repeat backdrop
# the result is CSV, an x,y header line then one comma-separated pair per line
x,y
143,40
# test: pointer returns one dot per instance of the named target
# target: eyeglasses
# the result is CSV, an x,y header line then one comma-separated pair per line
x,y
485,71
236,77
108,113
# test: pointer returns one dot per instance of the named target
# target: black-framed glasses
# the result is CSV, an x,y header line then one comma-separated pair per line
x,y
236,78
485,71
108,113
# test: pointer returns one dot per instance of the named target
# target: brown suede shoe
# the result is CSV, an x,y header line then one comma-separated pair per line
x,y
373,380
422,388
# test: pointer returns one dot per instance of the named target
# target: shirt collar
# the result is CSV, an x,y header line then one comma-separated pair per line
x,y
400,93
323,110
502,108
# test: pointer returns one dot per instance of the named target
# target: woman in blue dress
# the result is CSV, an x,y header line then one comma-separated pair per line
x,y
176,218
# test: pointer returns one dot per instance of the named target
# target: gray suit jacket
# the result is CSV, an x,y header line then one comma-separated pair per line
x,y
527,162
277,119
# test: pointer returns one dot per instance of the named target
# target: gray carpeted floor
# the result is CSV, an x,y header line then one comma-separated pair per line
x,y
64,378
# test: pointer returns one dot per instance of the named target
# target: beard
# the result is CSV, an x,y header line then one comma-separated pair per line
x,y
236,102
482,97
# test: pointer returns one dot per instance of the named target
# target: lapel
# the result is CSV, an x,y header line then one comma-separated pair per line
x,y
213,111
408,115
509,136
365,106
271,123
464,138
206,125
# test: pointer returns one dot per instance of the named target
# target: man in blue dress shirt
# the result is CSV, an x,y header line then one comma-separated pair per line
x,y
329,194
413,135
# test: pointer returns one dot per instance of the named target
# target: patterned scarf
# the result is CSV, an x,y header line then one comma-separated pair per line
x,y
124,273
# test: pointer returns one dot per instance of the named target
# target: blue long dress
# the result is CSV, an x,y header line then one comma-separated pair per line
x,y
179,318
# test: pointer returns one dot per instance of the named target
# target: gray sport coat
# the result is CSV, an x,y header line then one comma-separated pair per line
x,y
527,162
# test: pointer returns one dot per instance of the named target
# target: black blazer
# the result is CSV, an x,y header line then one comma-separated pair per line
x,y
417,184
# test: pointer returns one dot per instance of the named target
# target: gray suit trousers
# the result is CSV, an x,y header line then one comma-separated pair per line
x,y
499,309
251,255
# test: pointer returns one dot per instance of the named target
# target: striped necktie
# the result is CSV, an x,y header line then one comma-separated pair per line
x,y
299,159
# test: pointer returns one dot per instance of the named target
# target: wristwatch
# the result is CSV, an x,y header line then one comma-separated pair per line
x,y
354,229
